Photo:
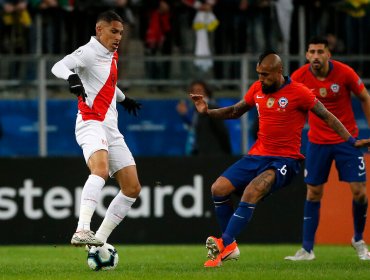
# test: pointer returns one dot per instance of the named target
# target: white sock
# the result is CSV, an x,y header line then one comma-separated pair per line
x,y
116,212
89,200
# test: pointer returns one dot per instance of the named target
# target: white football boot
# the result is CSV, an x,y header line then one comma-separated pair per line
x,y
301,255
85,237
361,249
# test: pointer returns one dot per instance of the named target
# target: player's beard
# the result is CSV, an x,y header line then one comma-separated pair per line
x,y
317,65
269,89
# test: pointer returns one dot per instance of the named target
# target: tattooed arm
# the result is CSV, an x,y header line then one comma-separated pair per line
x,y
331,120
230,112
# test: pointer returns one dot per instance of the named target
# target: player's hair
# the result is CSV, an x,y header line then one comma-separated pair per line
x,y
109,16
206,87
318,40
264,54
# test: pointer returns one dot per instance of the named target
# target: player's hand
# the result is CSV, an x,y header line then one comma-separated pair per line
x,y
199,102
76,87
362,143
131,106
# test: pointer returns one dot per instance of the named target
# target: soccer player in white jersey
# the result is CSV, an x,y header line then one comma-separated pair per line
x,y
91,71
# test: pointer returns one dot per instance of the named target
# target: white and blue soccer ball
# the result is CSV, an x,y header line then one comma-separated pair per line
x,y
102,258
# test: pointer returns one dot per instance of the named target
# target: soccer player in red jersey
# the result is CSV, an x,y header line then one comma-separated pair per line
x,y
332,82
274,159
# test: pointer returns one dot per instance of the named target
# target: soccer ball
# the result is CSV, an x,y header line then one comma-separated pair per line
x,y
102,258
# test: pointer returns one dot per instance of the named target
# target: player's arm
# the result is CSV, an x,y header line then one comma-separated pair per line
x,y
332,121
365,104
62,70
230,112
129,104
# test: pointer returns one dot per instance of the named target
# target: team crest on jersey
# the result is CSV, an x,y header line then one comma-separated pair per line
x,y
78,52
270,102
334,88
283,102
323,92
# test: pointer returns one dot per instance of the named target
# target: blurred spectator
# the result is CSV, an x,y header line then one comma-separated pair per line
x,y
284,10
263,25
52,23
16,22
183,36
156,35
354,18
335,45
123,8
230,37
204,22
207,136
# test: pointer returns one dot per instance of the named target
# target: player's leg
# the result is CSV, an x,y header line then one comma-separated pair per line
x,y
227,246
311,215
359,210
222,188
221,194
234,179
318,162
122,203
122,166
254,192
272,175
351,168
91,137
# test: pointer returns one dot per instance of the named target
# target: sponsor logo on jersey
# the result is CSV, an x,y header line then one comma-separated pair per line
x,y
283,102
323,92
270,102
335,88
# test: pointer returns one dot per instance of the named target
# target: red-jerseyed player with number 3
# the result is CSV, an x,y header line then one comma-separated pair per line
x,y
94,81
274,159
332,82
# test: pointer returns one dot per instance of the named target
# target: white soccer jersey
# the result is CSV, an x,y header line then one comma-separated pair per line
x,y
96,123
97,68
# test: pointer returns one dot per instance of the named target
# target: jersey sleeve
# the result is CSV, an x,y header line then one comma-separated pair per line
x,y
354,81
120,95
80,58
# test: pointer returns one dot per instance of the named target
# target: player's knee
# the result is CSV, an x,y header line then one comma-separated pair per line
x,y
132,191
215,189
221,188
360,197
359,192
101,172
314,193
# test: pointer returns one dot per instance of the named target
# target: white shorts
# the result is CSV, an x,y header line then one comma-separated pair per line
x,y
93,136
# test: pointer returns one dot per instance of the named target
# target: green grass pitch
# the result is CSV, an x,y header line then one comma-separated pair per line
x,y
181,262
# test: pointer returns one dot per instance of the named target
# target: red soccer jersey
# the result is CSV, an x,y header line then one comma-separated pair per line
x,y
282,115
335,93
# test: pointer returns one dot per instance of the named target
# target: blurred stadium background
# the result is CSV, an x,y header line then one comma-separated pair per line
x,y
41,165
